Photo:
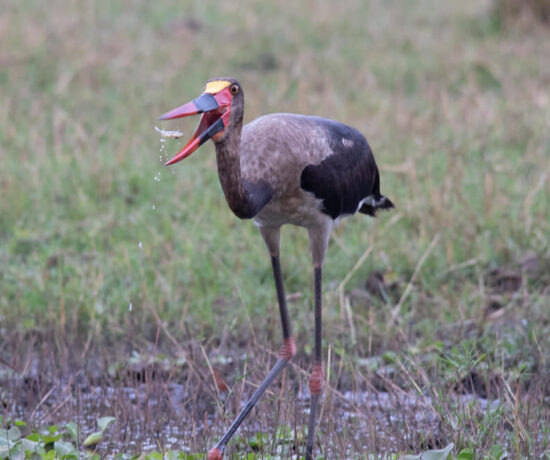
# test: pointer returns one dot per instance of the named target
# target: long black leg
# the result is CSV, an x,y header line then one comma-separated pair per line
x,y
281,297
288,350
316,378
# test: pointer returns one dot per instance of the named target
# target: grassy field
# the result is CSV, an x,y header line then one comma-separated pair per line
x,y
105,252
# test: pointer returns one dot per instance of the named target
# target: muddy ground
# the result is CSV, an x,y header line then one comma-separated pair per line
x,y
183,394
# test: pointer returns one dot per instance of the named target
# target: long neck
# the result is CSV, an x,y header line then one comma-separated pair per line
x,y
228,156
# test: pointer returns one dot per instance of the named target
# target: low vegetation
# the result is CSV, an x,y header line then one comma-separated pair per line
x,y
128,290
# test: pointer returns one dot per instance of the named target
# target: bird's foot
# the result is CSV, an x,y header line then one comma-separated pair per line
x,y
215,454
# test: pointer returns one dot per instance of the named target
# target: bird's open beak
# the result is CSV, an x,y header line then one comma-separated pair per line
x,y
215,109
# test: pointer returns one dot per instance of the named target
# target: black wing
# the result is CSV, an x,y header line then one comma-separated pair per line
x,y
347,176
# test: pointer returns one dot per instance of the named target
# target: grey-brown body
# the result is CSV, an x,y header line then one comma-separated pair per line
x,y
275,149
261,169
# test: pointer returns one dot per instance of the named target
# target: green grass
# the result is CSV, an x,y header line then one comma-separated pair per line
x,y
457,113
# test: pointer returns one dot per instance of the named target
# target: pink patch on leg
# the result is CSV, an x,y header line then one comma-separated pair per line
x,y
288,349
316,379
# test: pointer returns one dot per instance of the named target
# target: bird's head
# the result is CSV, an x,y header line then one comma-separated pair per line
x,y
221,105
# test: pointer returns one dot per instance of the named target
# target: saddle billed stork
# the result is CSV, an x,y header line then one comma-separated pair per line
x,y
284,169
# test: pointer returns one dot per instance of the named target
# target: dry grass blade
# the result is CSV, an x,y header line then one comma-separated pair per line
x,y
344,302
396,310
214,381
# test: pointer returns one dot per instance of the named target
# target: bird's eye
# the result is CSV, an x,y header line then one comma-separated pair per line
x,y
234,89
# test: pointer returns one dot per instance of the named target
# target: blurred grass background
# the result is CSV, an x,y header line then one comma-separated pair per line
x,y
457,112
454,98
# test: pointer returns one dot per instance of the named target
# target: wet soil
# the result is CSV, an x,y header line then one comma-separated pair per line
x,y
159,404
